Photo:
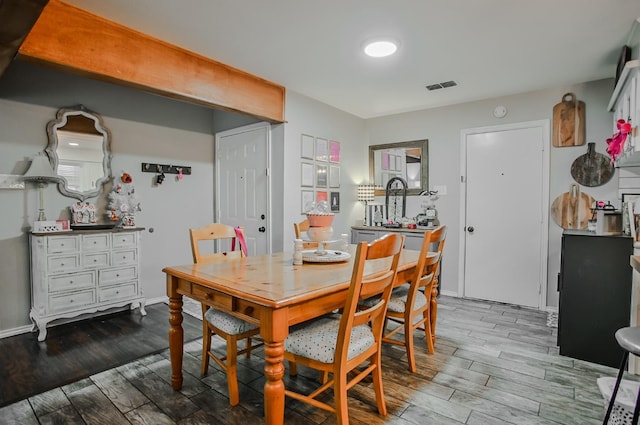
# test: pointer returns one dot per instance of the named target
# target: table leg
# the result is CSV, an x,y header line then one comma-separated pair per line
x,y
274,329
176,335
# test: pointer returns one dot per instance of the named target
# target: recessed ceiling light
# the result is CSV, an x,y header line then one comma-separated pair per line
x,y
380,48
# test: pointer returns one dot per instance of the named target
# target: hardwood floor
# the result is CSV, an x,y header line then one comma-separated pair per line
x,y
494,364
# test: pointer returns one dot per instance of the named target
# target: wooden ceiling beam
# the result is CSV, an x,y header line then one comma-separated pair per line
x,y
79,42
16,20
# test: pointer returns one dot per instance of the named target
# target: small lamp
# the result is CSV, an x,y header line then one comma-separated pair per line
x,y
366,193
40,171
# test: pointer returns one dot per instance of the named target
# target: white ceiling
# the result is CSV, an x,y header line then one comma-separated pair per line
x,y
489,47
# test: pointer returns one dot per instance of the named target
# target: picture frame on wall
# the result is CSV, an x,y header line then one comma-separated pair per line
x,y
334,198
306,174
322,195
306,146
306,198
321,176
334,152
322,149
334,176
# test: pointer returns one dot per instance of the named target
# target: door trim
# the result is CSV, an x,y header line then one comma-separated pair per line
x,y
544,226
239,130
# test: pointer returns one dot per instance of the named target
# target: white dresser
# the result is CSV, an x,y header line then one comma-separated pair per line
x,y
86,271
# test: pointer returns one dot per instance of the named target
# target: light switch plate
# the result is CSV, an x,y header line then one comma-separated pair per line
x,y
441,189
10,181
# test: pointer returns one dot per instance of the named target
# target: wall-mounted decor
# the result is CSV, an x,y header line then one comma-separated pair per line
x,y
568,122
306,198
593,168
306,174
306,146
321,195
334,176
335,201
321,176
334,151
322,149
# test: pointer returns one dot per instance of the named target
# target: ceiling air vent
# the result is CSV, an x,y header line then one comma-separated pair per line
x,y
444,85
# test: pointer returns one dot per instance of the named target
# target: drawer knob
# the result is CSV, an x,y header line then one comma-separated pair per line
x,y
124,257
95,261
95,242
71,282
71,300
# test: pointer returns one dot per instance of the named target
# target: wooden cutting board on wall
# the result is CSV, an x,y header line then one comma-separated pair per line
x,y
568,122
572,209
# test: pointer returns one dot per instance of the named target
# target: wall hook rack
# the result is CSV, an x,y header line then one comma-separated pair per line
x,y
148,167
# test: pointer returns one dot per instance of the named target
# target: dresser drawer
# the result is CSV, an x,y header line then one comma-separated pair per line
x,y
62,244
62,264
123,240
123,274
95,242
68,282
117,292
123,258
95,259
69,302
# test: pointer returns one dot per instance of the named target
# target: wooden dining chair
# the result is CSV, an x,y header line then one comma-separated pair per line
x,y
301,227
230,328
410,304
338,344
438,238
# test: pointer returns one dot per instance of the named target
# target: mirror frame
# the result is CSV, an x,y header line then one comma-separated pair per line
x,y
424,163
51,149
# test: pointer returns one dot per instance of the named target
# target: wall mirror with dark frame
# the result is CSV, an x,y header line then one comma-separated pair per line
x,y
79,148
407,160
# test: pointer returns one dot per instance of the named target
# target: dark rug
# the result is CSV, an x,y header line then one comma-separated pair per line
x,y
77,350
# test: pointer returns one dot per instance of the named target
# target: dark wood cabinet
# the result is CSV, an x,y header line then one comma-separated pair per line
x,y
595,295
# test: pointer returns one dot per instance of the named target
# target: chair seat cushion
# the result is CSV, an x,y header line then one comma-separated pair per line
x,y
398,300
317,340
228,323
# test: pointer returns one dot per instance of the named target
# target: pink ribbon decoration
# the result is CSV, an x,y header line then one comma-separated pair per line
x,y
616,143
241,241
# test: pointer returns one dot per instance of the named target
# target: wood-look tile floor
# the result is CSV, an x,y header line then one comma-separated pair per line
x,y
494,364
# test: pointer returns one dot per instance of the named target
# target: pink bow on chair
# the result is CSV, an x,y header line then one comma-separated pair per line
x,y
616,143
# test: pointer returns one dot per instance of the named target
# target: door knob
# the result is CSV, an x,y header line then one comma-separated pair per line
x,y
470,229
262,229
262,216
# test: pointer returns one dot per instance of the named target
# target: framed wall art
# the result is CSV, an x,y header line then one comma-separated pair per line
x,y
322,149
321,176
306,174
306,146
321,195
306,198
334,176
335,201
334,151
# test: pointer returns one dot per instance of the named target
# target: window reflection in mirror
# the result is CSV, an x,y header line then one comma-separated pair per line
x,y
79,148
408,160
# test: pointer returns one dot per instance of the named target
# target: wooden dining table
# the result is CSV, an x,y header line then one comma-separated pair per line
x,y
270,291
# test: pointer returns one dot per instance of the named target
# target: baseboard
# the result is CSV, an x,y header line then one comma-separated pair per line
x,y
449,293
15,331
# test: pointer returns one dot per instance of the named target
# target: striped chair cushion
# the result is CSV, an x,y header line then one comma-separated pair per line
x,y
317,340
228,323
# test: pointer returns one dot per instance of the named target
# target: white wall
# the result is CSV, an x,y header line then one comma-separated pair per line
x,y
442,126
311,117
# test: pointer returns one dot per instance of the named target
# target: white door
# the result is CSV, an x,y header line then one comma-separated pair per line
x,y
505,204
243,183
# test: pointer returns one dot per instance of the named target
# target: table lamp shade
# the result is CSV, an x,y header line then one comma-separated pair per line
x,y
366,192
40,170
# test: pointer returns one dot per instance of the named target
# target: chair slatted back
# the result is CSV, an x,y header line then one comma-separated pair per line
x,y
214,232
381,283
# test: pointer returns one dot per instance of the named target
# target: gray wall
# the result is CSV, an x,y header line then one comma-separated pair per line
x,y
443,126
145,128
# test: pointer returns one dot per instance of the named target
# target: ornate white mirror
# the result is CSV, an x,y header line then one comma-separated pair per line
x,y
407,160
79,148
